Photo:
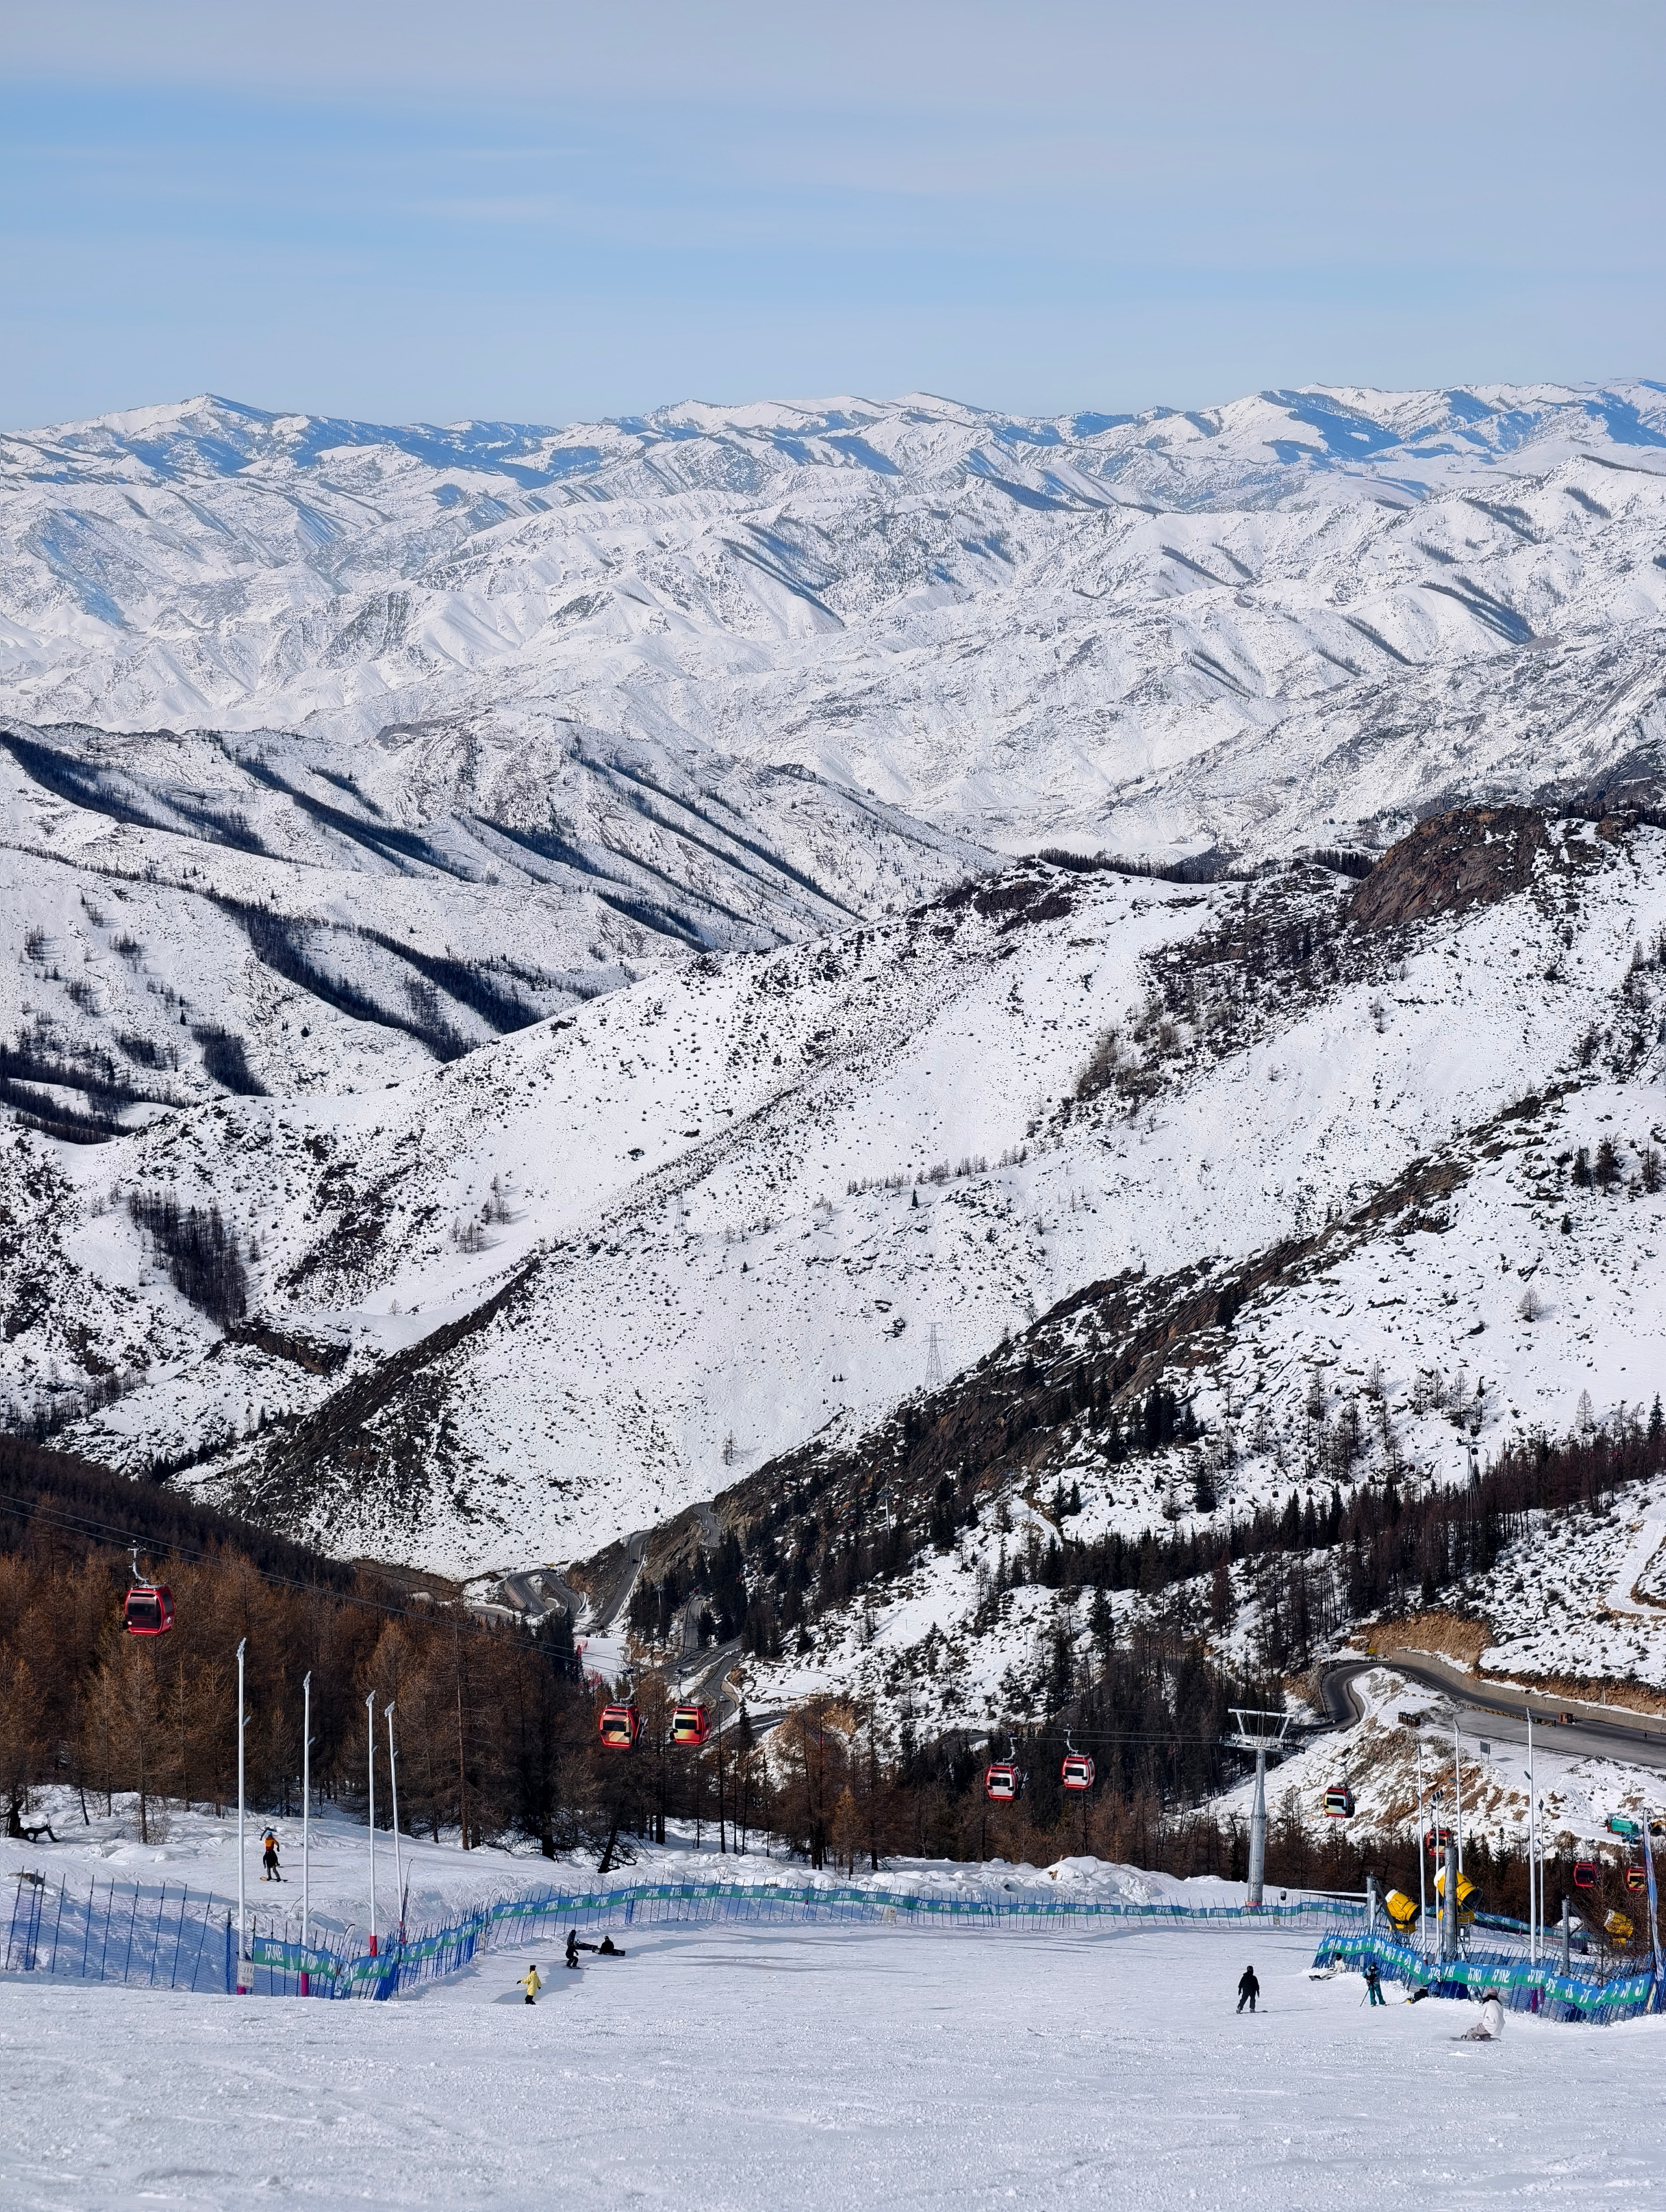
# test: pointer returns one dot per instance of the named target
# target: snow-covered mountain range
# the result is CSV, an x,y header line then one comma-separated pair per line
x,y
1306,609
521,1005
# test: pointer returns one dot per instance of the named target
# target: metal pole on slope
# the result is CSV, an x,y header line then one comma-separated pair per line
x,y
1534,1902
306,1822
1449,1918
1457,1791
1659,1994
398,1871
1422,1854
370,1768
242,1868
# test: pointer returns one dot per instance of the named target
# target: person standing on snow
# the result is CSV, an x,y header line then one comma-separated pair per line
x,y
573,1949
1373,1983
269,1860
531,1983
1249,1989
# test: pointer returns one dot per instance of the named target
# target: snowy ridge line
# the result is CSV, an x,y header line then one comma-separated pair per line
x,y
193,1947
1517,1982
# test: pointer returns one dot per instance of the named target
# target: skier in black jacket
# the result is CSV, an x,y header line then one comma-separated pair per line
x,y
1249,1989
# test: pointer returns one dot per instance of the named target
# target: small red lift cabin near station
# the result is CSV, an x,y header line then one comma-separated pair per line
x,y
1001,1783
619,1727
689,1726
1339,1803
1076,1772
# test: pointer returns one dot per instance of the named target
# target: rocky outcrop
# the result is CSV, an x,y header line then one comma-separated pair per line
x,y
1473,857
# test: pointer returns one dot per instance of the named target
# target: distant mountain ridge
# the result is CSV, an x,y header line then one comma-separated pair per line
x,y
1301,610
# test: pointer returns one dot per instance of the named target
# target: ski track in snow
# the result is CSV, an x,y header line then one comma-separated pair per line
x,y
761,2070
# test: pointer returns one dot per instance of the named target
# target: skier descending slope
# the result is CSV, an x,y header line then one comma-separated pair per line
x,y
1249,1989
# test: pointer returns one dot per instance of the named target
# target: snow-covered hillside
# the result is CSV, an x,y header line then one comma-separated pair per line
x,y
515,1020
597,1270
1305,613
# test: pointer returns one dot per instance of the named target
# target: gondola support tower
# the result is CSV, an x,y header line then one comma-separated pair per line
x,y
1263,1733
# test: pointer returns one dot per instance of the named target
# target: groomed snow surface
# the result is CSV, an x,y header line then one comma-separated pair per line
x,y
827,2067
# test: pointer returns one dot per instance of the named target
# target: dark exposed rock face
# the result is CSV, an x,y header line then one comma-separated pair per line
x,y
1473,857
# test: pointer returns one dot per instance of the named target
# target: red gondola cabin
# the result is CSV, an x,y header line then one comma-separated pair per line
x,y
1076,1772
1585,1875
1435,1839
148,1610
1636,1878
689,1726
619,1727
1339,1803
1002,1784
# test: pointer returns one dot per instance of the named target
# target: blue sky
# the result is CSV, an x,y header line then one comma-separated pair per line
x,y
545,212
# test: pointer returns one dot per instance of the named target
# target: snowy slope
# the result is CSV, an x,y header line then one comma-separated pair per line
x,y
787,2069
1302,613
599,1269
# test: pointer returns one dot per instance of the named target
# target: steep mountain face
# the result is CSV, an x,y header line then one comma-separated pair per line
x,y
1312,613
1262,1435
192,915
592,1273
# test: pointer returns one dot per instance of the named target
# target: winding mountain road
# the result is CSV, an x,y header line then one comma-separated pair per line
x,y
1587,1733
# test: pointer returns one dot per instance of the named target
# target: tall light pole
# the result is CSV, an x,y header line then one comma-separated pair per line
x,y
370,1764
242,1865
306,1821
1422,1853
1654,1908
399,1872
1535,1880
1457,1792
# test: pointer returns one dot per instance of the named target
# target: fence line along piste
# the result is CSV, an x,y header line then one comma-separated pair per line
x,y
163,1937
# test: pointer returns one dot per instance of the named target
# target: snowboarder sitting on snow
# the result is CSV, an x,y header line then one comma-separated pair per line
x,y
607,1948
1490,2027
1249,1989
1373,1983
531,1983
269,1861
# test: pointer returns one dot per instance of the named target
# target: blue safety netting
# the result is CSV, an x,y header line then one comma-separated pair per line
x,y
1520,1984
166,1937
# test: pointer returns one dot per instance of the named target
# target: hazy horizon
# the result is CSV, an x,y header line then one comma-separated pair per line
x,y
563,217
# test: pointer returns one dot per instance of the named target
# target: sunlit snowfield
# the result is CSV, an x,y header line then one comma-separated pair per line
x,y
828,2067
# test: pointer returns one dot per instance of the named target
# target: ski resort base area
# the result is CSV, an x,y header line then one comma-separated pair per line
x,y
755,2069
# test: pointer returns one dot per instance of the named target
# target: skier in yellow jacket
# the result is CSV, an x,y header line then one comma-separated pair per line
x,y
531,1983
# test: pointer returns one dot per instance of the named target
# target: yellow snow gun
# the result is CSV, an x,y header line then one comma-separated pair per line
x,y
1468,1897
